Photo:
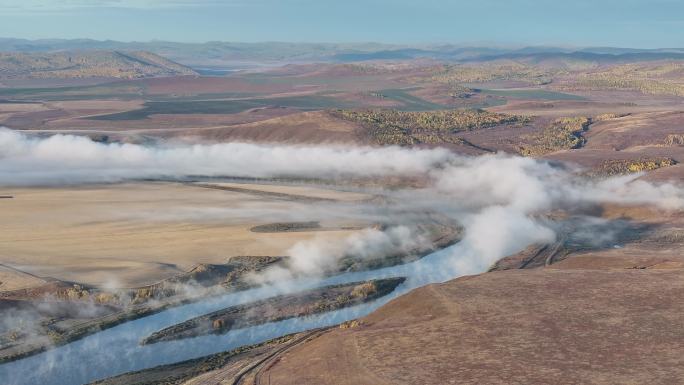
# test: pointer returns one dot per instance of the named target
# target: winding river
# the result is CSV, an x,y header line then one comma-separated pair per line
x,y
117,350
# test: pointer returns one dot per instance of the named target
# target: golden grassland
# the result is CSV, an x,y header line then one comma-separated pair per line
x,y
139,233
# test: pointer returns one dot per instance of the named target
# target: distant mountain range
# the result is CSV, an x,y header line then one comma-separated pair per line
x,y
241,55
84,64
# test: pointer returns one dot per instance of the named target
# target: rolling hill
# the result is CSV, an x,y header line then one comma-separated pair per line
x,y
79,64
241,55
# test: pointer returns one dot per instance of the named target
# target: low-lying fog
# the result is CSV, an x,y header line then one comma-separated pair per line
x,y
497,198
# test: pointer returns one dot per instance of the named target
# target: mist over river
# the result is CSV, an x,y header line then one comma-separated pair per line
x,y
499,199
117,350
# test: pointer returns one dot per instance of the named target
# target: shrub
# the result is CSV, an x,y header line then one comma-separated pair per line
x,y
392,127
562,134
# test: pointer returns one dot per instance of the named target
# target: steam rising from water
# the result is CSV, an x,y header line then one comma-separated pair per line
x,y
495,197
68,159
522,184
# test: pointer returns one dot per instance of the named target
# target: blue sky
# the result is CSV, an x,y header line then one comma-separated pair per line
x,y
625,23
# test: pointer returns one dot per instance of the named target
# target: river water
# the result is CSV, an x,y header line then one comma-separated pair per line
x,y
117,350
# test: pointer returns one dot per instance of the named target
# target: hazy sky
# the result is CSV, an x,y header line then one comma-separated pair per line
x,y
626,23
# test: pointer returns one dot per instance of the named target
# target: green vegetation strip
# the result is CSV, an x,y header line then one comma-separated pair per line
x,y
226,106
114,90
536,94
630,166
410,102
388,127
562,134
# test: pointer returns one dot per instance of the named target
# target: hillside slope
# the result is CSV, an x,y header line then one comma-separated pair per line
x,y
116,64
512,327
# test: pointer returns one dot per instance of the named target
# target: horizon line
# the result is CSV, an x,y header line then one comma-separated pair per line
x,y
409,45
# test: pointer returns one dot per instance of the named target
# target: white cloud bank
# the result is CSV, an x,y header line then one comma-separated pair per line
x,y
493,196
68,159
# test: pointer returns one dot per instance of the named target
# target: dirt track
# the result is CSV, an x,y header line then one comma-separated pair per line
x,y
256,371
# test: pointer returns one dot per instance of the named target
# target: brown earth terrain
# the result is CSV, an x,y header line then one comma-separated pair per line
x,y
563,326
560,313
290,105
227,367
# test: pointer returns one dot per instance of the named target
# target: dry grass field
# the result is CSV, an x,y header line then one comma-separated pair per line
x,y
12,279
139,233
